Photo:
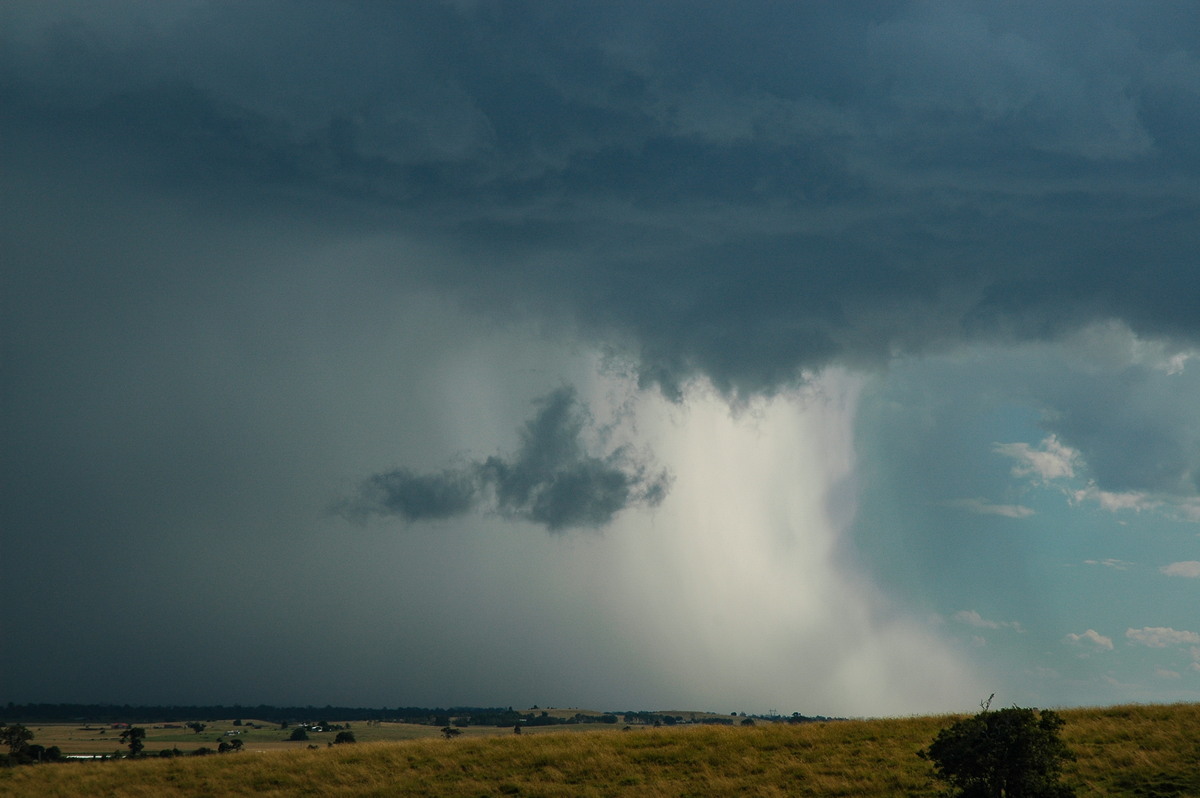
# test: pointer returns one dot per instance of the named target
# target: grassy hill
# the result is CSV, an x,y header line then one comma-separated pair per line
x,y
1129,750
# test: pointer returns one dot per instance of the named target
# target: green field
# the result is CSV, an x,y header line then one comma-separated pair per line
x,y
1130,750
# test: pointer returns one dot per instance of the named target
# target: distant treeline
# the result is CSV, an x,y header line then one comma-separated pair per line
x,y
437,716
111,713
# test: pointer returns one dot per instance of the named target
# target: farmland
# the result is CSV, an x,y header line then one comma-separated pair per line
x,y
1130,750
255,735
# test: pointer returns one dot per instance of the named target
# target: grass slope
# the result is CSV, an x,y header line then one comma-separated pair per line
x,y
1132,750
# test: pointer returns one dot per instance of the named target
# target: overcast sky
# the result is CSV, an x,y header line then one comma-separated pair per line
x,y
828,358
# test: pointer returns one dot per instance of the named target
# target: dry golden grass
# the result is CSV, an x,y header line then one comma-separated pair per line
x,y
1136,750
1147,751
72,738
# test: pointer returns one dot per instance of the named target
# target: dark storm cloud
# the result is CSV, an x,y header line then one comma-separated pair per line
x,y
739,193
552,479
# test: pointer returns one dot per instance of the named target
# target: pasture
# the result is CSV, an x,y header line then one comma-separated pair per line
x,y
1131,750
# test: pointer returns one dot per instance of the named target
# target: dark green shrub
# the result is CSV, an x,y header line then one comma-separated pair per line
x,y
1010,753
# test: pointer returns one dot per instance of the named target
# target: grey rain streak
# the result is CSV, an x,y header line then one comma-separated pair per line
x,y
552,480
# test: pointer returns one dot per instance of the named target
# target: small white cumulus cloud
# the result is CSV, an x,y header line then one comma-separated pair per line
x,y
1115,502
1053,460
1188,568
1053,464
1164,673
985,507
1091,639
1177,362
1116,565
1161,636
973,618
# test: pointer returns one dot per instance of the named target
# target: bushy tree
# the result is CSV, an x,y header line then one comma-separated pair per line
x,y
134,736
298,733
234,746
344,737
1009,753
23,752
16,737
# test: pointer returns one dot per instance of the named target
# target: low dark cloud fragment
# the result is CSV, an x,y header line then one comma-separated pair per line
x,y
416,497
552,480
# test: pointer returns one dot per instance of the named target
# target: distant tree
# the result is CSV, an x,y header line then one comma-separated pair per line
x,y
197,726
517,729
344,737
747,721
298,734
237,722
283,724
203,751
16,737
53,754
233,746
133,736
1010,753
449,732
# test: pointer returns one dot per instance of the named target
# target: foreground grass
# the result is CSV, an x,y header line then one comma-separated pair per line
x,y
1144,751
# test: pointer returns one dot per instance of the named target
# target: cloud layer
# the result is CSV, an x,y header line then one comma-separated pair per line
x,y
699,193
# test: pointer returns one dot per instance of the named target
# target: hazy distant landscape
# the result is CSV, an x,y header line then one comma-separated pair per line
x,y
1128,750
94,730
